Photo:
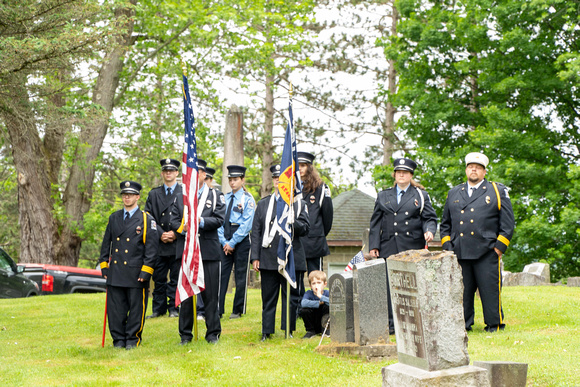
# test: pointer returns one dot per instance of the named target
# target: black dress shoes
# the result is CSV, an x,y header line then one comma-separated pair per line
x,y
265,336
154,315
174,314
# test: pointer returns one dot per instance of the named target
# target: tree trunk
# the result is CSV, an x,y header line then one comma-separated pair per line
x,y
267,148
389,124
78,192
38,229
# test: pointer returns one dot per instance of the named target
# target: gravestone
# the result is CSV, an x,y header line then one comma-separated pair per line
x,y
341,309
371,316
505,373
522,279
427,297
573,281
542,270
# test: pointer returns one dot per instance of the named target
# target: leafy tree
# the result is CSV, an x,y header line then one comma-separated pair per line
x,y
488,76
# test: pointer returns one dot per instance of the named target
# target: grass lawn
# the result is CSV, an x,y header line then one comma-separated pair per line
x,y
56,340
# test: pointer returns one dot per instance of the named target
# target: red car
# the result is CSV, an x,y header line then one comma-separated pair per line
x,y
53,279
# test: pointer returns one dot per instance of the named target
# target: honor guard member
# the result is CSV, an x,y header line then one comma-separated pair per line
x,y
264,257
128,253
235,239
317,197
403,219
477,225
158,204
211,211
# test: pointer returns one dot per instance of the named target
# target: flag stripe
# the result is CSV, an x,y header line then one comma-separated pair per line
x,y
191,279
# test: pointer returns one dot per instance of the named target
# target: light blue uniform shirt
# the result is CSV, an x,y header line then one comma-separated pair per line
x,y
243,210
131,213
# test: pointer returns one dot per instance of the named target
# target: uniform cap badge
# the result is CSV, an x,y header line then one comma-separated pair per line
x,y
127,184
402,161
167,161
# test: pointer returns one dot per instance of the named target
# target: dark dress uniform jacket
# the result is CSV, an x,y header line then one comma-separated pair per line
x,y
213,214
268,256
399,227
130,257
472,226
159,205
320,216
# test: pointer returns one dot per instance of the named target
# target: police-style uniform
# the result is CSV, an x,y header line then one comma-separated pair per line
x,y
240,207
211,210
472,227
400,224
128,252
321,214
158,204
265,241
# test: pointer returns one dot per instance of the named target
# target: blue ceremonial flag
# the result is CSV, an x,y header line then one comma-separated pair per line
x,y
290,189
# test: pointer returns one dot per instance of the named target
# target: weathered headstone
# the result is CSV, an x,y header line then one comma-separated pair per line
x,y
341,309
371,316
505,373
542,270
427,297
573,281
522,279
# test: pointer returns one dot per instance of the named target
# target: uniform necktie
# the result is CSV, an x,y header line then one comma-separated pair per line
x,y
127,216
472,191
227,224
400,197
168,191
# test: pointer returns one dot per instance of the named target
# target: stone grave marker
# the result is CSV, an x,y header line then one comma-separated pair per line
x,y
371,316
341,309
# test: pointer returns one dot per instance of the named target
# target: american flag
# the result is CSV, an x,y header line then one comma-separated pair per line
x,y
290,189
358,258
191,279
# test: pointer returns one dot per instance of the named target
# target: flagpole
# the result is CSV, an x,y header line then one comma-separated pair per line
x,y
290,91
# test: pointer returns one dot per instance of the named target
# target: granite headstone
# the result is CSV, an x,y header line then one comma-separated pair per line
x,y
371,316
341,308
427,298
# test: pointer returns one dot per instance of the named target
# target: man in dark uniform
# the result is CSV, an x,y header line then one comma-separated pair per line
x,y
158,205
235,239
211,212
316,194
128,253
478,224
265,240
403,219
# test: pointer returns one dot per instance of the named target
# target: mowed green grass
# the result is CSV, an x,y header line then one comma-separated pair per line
x,y
56,340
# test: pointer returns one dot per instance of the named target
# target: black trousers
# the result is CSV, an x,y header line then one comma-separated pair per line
x,y
240,259
164,292
126,309
210,297
314,264
483,274
271,283
389,303
312,318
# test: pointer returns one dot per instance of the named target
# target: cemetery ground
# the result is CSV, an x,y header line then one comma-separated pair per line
x,y
56,340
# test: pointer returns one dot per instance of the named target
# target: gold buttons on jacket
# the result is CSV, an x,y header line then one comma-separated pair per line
x,y
462,211
395,214
128,239
472,233
395,223
118,239
472,210
163,214
126,251
461,234
396,233
125,262
406,213
406,222
461,222
116,250
115,262
471,220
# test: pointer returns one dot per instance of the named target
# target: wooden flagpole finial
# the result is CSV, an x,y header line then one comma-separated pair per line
x,y
291,90
183,68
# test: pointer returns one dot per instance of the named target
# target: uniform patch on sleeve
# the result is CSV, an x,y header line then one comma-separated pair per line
x,y
327,191
251,203
507,193
153,225
223,199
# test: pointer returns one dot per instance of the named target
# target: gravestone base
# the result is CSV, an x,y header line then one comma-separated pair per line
x,y
399,374
374,352
505,373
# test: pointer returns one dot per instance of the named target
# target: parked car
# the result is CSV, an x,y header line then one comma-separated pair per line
x,y
13,283
55,279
